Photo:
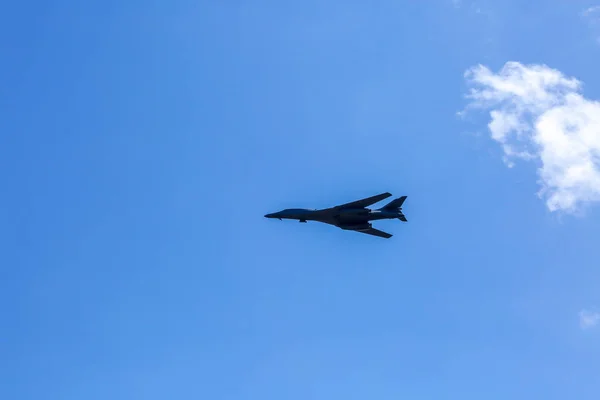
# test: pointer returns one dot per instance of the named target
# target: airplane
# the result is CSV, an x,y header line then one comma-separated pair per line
x,y
354,216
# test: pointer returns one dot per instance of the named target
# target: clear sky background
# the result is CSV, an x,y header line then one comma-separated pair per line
x,y
142,142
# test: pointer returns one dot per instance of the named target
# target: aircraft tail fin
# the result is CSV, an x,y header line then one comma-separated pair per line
x,y
395,204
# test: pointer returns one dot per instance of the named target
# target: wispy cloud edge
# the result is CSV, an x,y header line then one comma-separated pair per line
x,y
588,319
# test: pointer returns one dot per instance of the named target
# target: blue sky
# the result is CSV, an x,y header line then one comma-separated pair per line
x,y
142,143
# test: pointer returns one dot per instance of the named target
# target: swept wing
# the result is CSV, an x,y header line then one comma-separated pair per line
x,y
363,203
375,232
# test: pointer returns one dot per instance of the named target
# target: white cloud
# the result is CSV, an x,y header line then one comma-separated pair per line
x,y
591,11
588,319
537,113
592,15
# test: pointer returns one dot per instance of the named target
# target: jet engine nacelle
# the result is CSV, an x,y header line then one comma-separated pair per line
x,y
351,212
356,227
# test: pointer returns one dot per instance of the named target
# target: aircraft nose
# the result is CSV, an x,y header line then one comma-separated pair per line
x,y
268,215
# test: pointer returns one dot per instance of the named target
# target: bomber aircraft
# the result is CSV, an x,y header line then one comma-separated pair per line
x,y
354,216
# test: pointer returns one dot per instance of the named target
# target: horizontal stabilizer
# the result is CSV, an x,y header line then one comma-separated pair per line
x,y
402,218
395,204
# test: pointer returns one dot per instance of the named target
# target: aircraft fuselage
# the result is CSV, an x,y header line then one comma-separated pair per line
x,y
335,217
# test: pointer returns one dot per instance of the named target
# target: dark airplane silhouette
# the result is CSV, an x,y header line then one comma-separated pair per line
x,y
353,216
